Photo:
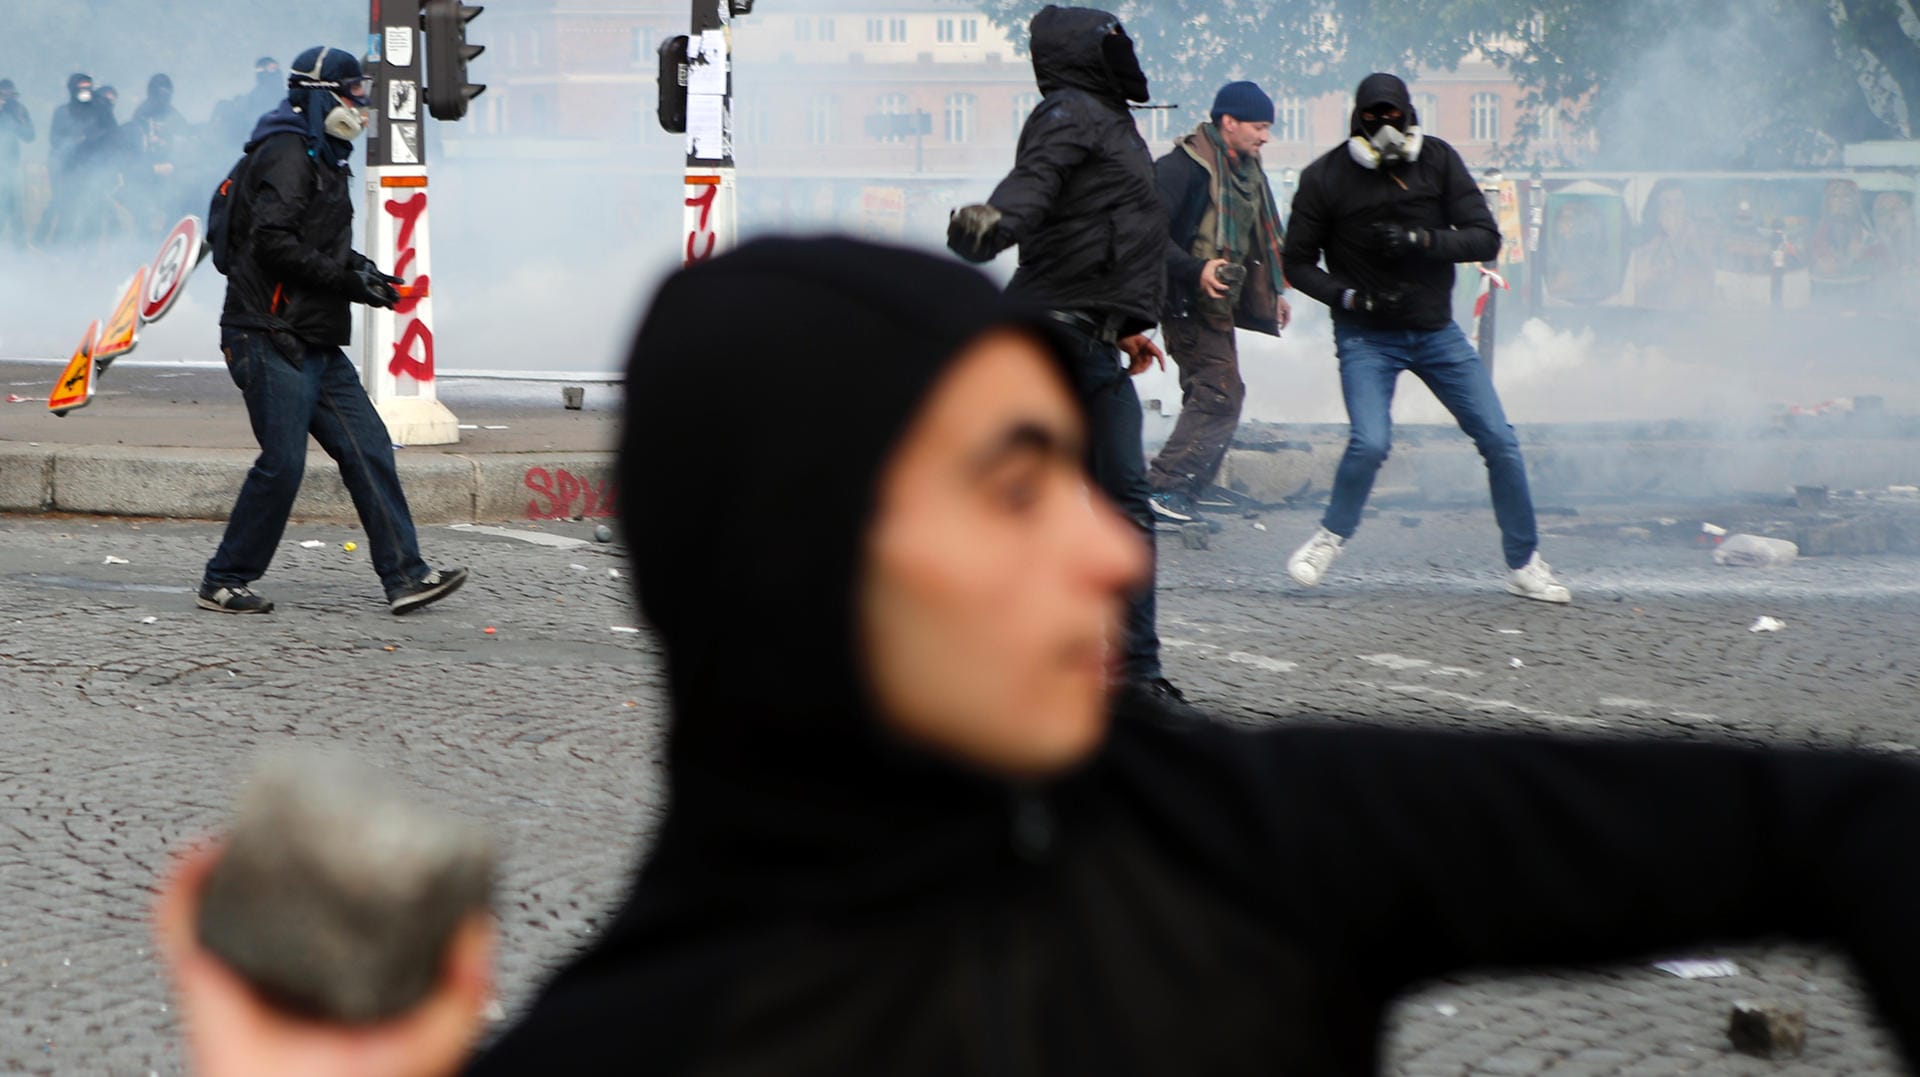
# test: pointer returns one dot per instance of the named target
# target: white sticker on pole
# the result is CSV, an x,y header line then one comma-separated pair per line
x,y
707,68
706,127
403,99
406,143
400,46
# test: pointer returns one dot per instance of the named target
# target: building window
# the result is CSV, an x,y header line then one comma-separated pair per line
x,y
823,113
960,117
826,30
750,125
1159,124
533,50
1486,118
969,31
1427,107
803,29
876,29
1292,120
896,30
943,31
1023,106
1549,124
891,104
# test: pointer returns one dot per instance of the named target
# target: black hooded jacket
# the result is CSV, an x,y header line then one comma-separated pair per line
x,y
1339,201
1081,200
292,228
822,899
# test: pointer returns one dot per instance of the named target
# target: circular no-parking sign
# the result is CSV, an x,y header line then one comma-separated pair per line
x,y
175,263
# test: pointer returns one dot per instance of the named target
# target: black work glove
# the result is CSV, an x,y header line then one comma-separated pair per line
x,y
1395,240
367,284
970,232
1389,303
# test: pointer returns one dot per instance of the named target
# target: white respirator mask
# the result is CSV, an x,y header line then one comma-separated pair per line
x,y
346,121
1387,146
83,96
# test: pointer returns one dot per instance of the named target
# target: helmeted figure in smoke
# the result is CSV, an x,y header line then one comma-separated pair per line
x,y
292,276
1392,209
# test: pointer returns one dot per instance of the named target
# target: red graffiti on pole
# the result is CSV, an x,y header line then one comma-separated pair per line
x,y
413,347
703,201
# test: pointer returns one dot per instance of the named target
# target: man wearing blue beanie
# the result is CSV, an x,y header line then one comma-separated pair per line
x,y
1224,273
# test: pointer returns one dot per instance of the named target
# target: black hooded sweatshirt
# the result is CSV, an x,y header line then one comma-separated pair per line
x,y
1081,200
823,900
1340,200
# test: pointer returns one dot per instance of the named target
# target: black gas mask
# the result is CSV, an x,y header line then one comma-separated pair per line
x,y
1124,64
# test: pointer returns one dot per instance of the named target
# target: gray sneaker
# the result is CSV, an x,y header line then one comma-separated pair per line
x,y
426,590
236,599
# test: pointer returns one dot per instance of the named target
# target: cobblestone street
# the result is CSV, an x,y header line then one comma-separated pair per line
x,y
129,717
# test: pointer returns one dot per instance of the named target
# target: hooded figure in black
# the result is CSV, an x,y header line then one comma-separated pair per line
x,y
1391,210
1083,206
292,280
76,136
153,138
826,897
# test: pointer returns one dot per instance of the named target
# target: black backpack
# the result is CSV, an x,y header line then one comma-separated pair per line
x,y
220,217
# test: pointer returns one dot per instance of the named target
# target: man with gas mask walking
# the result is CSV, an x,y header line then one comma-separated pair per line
x,y
1226,273
1392,210
292,274
1081,205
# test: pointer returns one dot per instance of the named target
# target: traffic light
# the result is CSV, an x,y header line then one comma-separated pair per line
x,y
448,90
672,108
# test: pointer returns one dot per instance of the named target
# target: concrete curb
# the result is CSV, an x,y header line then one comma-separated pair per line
x,y
202,483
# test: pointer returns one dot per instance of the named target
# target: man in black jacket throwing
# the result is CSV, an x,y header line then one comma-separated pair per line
x,y
1082,206
292,278
1392,210
1225,272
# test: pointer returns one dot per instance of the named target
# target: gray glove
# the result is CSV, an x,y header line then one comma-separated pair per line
x,y
970,232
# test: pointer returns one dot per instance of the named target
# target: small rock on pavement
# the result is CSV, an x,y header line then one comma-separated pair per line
x,y
1769,1031
1409,521
1194,536
603,533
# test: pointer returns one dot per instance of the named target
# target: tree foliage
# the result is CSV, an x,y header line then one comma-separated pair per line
x,y
1660,83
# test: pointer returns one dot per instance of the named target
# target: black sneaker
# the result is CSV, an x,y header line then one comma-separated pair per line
x,y
426,590
1173,507
1158,696
239,599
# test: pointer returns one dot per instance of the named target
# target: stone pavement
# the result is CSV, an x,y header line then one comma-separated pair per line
x,y
126,737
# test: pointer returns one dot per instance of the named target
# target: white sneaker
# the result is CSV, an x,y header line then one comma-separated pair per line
x,y
1309,563
1535,580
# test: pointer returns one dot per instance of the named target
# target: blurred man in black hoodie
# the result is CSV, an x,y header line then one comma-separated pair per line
x,y
153,136
905,832
1392,210
74,136
1082,206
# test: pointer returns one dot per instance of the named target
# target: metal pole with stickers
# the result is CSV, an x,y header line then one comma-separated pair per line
x,y
416,56
696,99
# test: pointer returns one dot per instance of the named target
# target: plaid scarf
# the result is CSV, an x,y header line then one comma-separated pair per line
x,y
1243,182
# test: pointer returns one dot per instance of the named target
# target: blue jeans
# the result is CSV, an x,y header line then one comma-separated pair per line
x,y
1370,361
322,396
1118,463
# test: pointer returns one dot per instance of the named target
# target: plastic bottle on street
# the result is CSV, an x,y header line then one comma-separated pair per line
x,y
1753,551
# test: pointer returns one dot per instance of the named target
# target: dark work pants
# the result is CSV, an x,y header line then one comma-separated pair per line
x,y
1119,467
321,396
1211,395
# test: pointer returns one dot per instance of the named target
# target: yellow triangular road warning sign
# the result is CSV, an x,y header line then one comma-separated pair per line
x,y
75,387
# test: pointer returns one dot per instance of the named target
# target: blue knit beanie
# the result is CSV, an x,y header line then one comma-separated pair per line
x,y
1244,102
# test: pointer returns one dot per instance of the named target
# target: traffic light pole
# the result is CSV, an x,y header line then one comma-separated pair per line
x,y
397,356
710,222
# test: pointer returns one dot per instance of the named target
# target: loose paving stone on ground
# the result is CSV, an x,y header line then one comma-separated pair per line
x,y
130,717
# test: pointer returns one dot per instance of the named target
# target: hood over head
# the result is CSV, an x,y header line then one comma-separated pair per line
x,y
1071,49
1379,88
821,352
74,82
319,79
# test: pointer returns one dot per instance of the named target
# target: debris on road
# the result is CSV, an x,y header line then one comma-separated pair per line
x,y
312,544
1698,968
1752,551
1410,521
489,630
1767,624
1510,631
579,568
1447,1009
603,533
1258,526
349,546
614,574
623,629
1768,1031
1516,663
112,560
1194,536
149,620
